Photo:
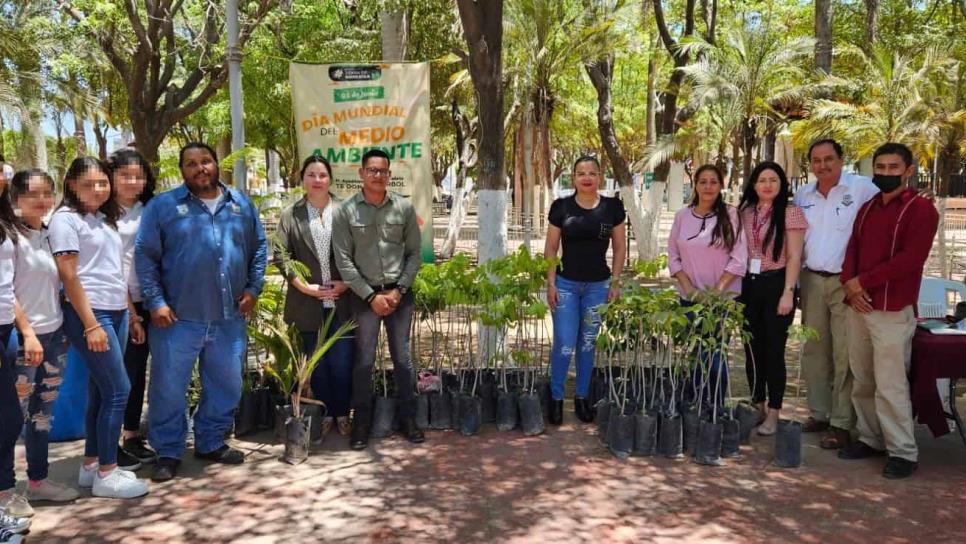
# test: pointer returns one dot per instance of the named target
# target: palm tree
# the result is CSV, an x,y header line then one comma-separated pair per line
x,y
894,97
547,41
752,76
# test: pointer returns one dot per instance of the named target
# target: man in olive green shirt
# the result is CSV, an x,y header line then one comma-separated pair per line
x,y
376,243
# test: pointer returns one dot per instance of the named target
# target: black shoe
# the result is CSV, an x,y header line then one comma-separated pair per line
x,y
555,415
359,437
897,468
165,469
126,461
224,454
412,432
585,412
859,450
135,447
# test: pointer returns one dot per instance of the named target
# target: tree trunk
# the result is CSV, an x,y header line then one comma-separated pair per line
x,y
769,147
483,31
601,74
650,134
749,138
465,132
101,136
823,35
871,23
80,138
395,34
2,141
32,122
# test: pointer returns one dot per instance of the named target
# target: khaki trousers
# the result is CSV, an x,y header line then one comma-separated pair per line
x,y
825,361
880,351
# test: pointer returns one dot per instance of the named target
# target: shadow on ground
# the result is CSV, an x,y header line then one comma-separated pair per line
x,y
558,487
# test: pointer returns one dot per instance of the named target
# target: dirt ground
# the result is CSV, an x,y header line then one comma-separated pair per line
x,y
504,487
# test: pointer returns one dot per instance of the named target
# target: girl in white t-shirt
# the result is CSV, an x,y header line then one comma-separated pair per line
x,y
39,320
87,248
134,187
11,418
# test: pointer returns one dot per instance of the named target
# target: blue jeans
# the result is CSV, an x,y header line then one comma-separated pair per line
x,y
108,386
39,388
11,418
219,348
711,372
575,319
332,377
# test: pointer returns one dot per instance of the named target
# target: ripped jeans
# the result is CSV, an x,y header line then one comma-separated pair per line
x,y
37,388
575,326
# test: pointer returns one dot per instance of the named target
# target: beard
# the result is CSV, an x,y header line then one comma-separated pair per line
x,y
205,185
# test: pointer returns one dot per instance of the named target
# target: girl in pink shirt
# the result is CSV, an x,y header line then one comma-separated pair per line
x,y
707,250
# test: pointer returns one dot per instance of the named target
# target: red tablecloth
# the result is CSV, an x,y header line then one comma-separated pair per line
x,y
933,357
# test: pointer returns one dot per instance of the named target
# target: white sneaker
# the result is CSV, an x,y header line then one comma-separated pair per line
x,y
49,491
85,478
119,484
13,524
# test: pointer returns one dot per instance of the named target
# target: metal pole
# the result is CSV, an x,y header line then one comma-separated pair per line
x,y
234,55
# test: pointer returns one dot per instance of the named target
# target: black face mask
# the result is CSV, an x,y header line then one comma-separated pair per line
x,y
886,184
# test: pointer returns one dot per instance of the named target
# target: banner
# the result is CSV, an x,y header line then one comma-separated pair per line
x,y
343,110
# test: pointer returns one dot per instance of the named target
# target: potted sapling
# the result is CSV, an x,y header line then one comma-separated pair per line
x,y
291,368
788,435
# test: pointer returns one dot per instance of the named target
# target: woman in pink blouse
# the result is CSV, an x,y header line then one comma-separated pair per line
x,y
776,233
707,250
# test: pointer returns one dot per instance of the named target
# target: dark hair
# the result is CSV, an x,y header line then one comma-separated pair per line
x,y
776,225
894,148
724,232
312,159
110,208
195,145
374,152
9,224
835,145
585,158
21,184
128,157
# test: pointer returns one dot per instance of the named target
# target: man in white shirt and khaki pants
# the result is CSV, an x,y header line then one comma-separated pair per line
x,y
830,205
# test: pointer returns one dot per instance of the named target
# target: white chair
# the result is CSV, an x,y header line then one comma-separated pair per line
x,y
938,296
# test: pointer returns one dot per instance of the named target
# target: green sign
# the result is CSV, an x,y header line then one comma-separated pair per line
x,y
359,93
648,179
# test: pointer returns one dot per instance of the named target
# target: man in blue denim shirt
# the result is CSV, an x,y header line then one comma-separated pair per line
x,y
200,256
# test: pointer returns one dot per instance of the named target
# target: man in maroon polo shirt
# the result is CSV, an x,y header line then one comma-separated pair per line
x,y
890,243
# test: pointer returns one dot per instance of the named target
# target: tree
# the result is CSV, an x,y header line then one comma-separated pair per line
x,y
669,122
823,35
483,30
168,53
754,72
894,98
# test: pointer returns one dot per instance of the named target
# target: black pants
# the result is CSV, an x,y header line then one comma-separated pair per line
x,y
136,364
765,353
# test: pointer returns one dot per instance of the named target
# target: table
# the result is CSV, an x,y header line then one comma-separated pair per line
x,y
935,357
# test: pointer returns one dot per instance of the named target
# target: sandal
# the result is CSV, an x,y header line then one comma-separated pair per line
x,y
326,425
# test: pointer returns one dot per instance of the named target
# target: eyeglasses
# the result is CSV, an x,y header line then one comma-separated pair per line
x,y
377,172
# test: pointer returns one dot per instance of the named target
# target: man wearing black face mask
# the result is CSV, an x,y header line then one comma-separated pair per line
x,y
890,243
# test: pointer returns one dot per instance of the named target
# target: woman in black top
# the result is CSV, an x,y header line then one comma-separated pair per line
x,y
585,224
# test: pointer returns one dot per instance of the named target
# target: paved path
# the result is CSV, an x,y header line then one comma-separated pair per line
x,y
496,487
